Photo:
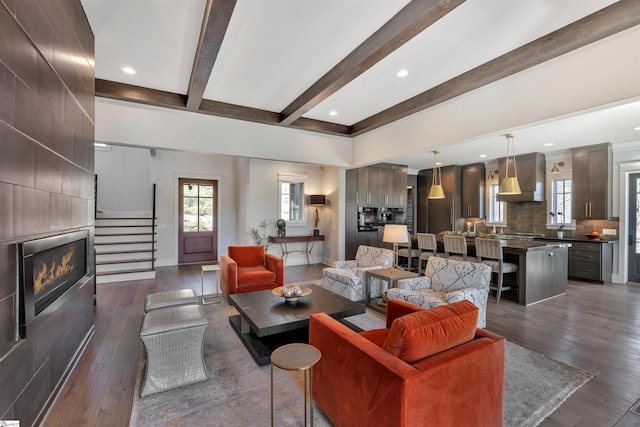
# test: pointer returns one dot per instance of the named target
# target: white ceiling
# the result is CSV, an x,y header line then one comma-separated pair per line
x,y
274,50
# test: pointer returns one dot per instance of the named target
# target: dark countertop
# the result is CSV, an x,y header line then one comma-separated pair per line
x,y
603,239
526,245
516,245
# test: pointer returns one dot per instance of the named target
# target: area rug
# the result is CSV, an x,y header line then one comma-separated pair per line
x,y
238,391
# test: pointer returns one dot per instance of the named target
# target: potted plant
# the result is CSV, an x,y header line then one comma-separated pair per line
x,y
259,235
560,231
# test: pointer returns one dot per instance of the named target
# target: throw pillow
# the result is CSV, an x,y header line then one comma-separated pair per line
x,y
421,334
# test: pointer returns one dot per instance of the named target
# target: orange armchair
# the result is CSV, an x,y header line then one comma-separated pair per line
x,y
249,268
380,377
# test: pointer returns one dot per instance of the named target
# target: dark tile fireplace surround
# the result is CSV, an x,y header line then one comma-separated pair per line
x,y
46,191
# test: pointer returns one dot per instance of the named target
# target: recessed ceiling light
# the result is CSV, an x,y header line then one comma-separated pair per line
x,y
333,113
638,128
402,73
128,70
483,156
548,144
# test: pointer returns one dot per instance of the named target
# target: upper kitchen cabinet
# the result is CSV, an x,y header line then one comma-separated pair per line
x,y
591,193
366,186
399,199
531,176
473,188
351,187
382,185
385,187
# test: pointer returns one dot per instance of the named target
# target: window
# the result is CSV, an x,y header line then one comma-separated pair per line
x,y
292,206
560,201
197,207
496,208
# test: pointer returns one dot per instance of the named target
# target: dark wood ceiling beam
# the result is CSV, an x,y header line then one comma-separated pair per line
x,y
232,111
141,95
406,24
618,17
321,126
214,26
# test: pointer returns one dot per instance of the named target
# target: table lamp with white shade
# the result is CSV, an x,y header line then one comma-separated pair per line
x,y
395,233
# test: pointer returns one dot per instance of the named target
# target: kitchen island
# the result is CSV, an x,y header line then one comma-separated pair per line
x,y
542,266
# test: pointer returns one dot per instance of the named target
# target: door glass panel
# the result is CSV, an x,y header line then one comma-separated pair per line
x,y
198,207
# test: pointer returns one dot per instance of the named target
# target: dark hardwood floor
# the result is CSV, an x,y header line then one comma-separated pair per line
x,y
593,327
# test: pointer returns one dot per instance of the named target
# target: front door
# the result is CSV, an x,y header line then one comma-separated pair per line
x,y
634,227
197,220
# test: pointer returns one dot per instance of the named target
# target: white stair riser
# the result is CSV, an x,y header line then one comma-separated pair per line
x,y
123,257
121,267
126,277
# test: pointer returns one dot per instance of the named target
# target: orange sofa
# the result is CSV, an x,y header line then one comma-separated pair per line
x,y
249,268
428,367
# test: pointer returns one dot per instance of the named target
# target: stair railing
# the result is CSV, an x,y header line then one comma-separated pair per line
x,y
153,226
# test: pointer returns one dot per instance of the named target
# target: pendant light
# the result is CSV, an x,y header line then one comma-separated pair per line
x,y
510,184
436,191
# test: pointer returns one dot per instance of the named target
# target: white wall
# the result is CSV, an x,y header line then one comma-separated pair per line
x,y
247,191
124,181
263,204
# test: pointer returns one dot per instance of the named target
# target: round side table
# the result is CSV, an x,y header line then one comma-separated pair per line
x,y
297,357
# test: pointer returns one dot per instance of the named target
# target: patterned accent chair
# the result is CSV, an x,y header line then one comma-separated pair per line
x,y
346,278
446,281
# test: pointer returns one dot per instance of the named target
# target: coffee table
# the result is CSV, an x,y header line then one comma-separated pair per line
x,y
267,322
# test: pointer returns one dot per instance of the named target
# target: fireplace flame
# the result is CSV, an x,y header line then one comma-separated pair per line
x,y
46,276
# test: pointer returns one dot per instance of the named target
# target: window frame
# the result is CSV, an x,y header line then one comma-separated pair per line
x,y
554,207
292,179
494,187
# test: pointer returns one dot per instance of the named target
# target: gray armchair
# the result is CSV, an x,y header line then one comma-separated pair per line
x,y
445,281
347,277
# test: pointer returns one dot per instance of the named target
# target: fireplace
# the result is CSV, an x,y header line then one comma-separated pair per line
x,y
48,267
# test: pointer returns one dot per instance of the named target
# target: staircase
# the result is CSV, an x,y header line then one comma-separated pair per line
x,y
125,249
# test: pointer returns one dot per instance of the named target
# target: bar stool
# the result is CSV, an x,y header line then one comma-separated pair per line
x,y
455,247
491,251
408,252
428,246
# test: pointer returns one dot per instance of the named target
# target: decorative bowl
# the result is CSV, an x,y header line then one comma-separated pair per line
x,y
593,236
291,293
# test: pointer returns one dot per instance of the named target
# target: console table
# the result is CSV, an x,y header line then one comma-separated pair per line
x,y
309,241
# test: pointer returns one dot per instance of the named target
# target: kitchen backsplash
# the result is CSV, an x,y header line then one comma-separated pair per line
x,y
532,217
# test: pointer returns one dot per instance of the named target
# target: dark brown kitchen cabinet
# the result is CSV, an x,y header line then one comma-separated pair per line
x,y
591,193
385,187
424,180
443,214
473,188
399,199
351,231
531,176
351,187
591,261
